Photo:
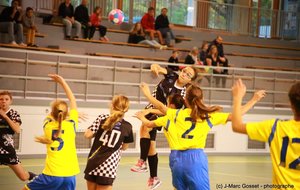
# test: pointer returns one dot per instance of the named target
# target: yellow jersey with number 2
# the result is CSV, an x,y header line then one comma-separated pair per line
x,y
284,141
182,133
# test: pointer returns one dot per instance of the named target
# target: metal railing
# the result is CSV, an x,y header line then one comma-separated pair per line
x,y
95,79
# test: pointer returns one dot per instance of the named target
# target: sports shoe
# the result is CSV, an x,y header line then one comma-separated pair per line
x,y
13,43
22,44
153,183
141,166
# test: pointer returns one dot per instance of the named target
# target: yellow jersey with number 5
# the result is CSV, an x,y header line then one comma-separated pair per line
x,y
61,160
284,140
182,133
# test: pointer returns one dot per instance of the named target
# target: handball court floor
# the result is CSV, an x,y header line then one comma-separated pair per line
x,y
236,170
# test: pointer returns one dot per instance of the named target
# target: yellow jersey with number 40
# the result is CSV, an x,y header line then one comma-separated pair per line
x,y
61,160
284,140
182,133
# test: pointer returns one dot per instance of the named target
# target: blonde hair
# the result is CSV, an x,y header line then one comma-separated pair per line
x,y
119,106
59,112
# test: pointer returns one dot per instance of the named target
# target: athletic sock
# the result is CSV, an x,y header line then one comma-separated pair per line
x,y
153,162
144,146
31,175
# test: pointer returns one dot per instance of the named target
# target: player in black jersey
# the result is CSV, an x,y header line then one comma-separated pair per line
x,y
112,135
172,83
10,122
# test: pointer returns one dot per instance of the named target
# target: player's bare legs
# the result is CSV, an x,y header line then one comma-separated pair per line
x,y
94,186
20,172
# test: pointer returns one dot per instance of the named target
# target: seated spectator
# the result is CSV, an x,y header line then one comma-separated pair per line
x,y
162,24
95,20
29,27
213,59
11,22
66,11
218,43
82,15
192,57
174,59
148,25
137,36
203,52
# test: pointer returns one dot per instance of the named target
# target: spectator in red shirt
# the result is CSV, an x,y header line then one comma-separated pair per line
x,y
148,25
95,20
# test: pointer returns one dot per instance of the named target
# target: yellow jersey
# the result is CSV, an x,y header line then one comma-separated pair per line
x,y
182,133
284,142
61,160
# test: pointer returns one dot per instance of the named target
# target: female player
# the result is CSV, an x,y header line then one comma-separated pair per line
x,y
59,137
283,137
112,135
171,84
186,131
10,123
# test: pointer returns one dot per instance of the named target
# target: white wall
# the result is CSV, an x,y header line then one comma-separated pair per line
x,y
225,140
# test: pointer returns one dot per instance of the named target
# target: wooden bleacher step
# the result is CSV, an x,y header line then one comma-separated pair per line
x,y
34,48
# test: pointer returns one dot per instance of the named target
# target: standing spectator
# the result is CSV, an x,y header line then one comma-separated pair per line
x,y
11,22
82,15
29,27
162,24
148,25
111,134
218,43
203,52
174,59
95,20
66,11
213,59
137,36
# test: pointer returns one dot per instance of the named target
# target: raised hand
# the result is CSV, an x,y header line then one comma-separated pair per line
x,y
239,89
258,95
145,89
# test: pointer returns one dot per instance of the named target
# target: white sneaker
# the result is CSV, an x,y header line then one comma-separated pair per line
x,y
154,183
13,43
22,44
141,166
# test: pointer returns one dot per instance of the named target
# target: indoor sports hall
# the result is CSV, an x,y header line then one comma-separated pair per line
x,y
260,46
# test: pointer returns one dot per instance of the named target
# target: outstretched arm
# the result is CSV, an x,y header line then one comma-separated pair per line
x,y
238,92
157,69
157,104
141,116
60,80
258,95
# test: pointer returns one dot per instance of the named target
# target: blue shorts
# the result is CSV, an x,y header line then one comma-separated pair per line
x,y
189,169
46,182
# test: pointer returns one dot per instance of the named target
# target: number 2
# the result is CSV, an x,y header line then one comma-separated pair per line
x,y
296,162
185,134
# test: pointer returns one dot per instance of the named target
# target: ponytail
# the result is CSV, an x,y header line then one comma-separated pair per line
x,y
194,98
60,118
119,106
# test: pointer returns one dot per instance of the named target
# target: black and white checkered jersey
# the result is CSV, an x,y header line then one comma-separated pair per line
x,y
105,153
166,87
6,132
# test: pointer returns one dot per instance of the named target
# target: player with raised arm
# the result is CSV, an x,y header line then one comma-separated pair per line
x,y
111,134
59,136
172,83
283,137
186,131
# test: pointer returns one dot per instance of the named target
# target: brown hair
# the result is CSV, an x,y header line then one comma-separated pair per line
x,y
135,31
2,93
177,100
294,96
211,48
194,97
119,106
59,112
